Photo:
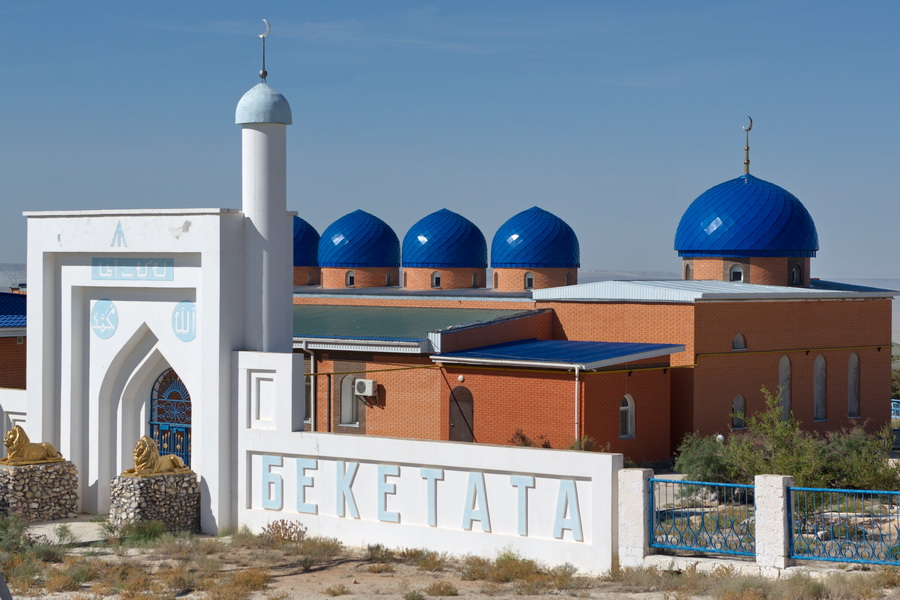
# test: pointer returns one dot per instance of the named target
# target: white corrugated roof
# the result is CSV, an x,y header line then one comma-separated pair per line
x,y
692,291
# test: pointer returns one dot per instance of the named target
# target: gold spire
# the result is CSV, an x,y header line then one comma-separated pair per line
x,y
747,146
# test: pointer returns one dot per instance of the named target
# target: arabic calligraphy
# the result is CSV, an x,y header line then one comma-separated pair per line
x,y
104,319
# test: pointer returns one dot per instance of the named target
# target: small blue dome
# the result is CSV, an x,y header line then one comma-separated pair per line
x,y
444,239
306,244
535,239
746,216
262,104
359,240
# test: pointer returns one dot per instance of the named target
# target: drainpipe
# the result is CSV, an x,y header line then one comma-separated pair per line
x,y
328,402
577,405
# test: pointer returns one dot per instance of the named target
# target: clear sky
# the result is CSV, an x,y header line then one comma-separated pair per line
x,y
613,115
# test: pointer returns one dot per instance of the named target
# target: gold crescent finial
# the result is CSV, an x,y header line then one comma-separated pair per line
x,y
747,146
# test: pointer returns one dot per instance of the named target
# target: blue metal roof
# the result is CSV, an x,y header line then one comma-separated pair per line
x,y
444,239
535,238
359,240
12,309
559,353
306,244
746,216
262,104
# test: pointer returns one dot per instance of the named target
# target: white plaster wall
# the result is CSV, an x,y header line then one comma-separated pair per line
x,y
13,410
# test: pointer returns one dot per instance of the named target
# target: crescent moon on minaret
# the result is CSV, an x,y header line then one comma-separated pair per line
x,y
747,128
268,29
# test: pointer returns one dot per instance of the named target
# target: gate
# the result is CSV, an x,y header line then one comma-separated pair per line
x,y
170,416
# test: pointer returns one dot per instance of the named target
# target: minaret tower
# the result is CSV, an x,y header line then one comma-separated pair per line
x,y
263,114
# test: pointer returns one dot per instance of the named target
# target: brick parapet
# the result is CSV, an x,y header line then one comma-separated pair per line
x,y
513,280
364,277
451,278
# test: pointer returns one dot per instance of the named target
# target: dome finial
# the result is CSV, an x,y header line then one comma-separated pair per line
x,y
262,72
747,146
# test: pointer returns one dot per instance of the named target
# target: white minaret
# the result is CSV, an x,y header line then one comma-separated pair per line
x,y
263,114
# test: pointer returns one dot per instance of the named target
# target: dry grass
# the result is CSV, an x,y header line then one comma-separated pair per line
x,y
337,590
442,588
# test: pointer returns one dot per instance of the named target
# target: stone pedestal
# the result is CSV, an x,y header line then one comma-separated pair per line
x,y
172,499
40,492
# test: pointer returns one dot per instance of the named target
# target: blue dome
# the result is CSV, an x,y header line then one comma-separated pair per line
x,y
444,239
535,239
306,244
746,216
262,104
359,240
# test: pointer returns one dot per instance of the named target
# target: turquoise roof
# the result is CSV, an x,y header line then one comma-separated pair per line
x,y
535,239
444,239
746,216
262,104
359,240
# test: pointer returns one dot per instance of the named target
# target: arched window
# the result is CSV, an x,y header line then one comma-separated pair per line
x,y
350,279
436,279
736,273
853,386
688,272
738,412
820,411
387,279
738,342
529,280
496,280
784,386
405,283
626,417
796,275
170,415
349,403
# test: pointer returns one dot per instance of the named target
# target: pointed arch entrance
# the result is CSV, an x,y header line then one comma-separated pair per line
x,y
170,415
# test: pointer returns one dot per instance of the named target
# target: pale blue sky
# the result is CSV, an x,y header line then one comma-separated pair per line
x,y
613,115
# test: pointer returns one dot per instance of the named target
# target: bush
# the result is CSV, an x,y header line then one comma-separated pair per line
x,y
771,443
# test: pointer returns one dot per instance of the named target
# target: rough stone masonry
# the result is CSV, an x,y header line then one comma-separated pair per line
x,y
172,499
39,492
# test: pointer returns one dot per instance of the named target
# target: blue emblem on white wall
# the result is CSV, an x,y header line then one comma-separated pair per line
x,y
104,319
184,321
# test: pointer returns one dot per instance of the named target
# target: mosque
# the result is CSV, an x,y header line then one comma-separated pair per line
x,y
182,324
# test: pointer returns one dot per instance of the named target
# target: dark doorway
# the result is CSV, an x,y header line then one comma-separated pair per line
x,y
462,424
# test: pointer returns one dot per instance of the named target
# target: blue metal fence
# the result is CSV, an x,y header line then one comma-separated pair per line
x,y
714,518
844,525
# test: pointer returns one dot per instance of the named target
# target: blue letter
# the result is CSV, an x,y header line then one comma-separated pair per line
x,y
432,476
476,496
271,483
523,482
567,502
344,493
304,482
385,488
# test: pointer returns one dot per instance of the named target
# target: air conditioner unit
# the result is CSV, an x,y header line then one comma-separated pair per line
x,y
366,387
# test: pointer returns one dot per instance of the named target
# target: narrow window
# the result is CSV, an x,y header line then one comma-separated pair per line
x,y
738,342
474,280
737,273
349,404
496,280
350,279
819,390
796,275
436,279
20,340
405,279
626,417
387,279
568,278
853,386
688,272
529,280
307,385
308,278
738,412
784,386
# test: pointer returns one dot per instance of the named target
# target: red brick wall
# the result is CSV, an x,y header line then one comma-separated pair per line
x,y
513,280
537,325
306,276
333,277
451,279
12,363
759,270
419,301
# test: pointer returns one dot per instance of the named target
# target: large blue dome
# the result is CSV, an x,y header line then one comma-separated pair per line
x,y
535,239
746,216
306,244
359,240
444,239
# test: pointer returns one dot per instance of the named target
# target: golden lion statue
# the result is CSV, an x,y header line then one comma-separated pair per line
x,y
148,462
20,450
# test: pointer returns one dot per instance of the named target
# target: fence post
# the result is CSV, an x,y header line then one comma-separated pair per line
x,y
772,531
634,516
